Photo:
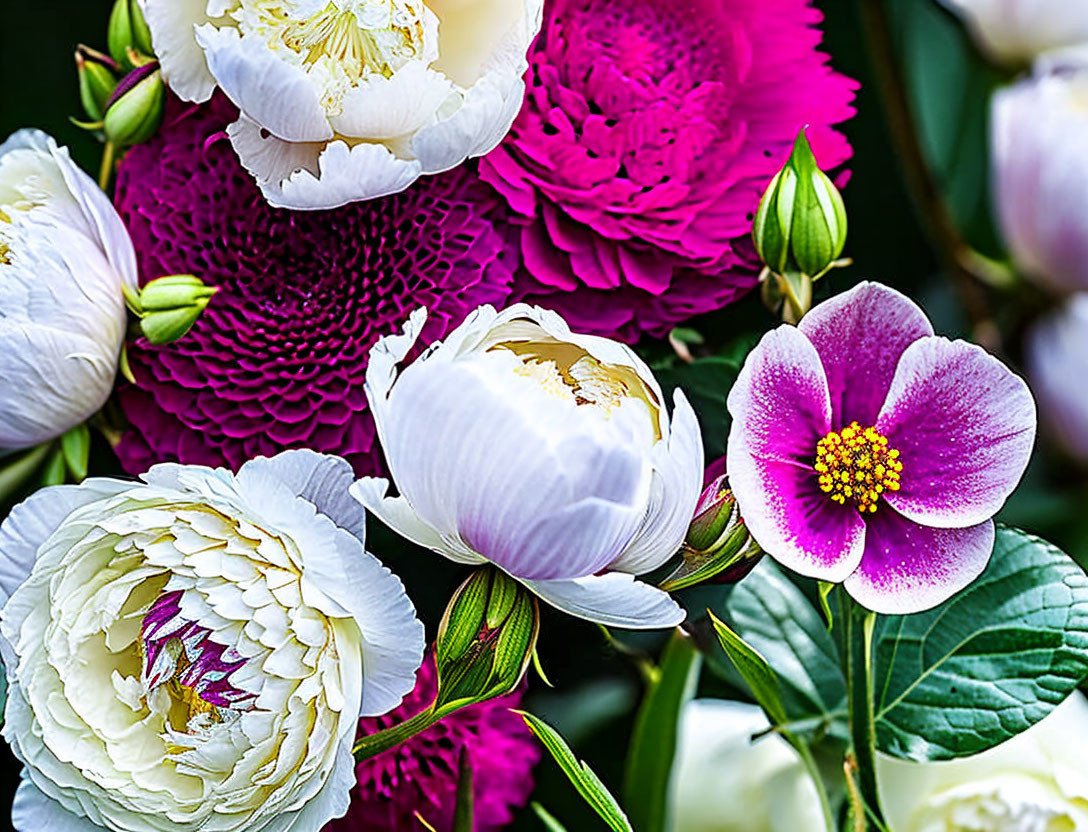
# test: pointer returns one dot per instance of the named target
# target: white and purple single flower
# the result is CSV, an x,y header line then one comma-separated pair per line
x,y
867,451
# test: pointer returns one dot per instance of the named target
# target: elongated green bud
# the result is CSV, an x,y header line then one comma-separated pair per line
x,y
486,639
801,222
97,81
135,109
718,547
128,30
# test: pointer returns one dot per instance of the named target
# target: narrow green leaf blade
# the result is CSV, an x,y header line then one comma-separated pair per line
x,y
653,745
588,784
546,817
987,664
76,447
755,670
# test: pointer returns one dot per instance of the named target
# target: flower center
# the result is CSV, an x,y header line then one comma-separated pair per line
x,y
857,464
180,656
343,43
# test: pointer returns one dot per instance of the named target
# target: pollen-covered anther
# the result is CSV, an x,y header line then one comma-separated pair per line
x,y
857,464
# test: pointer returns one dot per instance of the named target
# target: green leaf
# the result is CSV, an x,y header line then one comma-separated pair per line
x,y
15,470
988,664
547,819
706,382
773,615
588,784
653,745
56,470
755,670
76,447
464,813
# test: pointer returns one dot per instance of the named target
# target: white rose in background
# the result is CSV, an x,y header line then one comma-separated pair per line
x,y
1041,176
1056,354
546,453
194,651
1035,782
64,257
724,781
1016,31
344,100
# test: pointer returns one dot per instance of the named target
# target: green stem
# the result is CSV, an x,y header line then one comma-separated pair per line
x,y
817,777
374,744
105,172
857,630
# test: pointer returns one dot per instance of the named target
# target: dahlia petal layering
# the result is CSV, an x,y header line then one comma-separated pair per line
x,y
648,134
194,651
344,100
546,453
866,450
65,257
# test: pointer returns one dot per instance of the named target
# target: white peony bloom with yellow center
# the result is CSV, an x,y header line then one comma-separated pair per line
x,y
345,100
64,257
193,652
546,453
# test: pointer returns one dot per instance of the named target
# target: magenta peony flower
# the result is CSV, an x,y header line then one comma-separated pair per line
x,y
421,775
278,358
648,134
865,449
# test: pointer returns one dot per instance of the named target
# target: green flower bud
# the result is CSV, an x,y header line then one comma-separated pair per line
x,y
97,81
128,30
486,639
718,544
801,222
168,307
134,111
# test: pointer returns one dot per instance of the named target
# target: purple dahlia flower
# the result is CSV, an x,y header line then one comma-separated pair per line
x,y
278,358
866,450
421,774
648,134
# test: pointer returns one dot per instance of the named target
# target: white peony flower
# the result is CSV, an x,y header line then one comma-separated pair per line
x,y
1041,176
193,652
344,100
1036,782
1056,351
1016,31
724,781
64,257
546,453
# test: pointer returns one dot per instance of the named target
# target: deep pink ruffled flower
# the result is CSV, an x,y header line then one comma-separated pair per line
x,y
866,450
648,134
421,775
278,358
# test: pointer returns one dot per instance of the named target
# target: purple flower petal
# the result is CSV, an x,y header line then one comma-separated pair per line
x,y
781,409
860,336
908,568
964,425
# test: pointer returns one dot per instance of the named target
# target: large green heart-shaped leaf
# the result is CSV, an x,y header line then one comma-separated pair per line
x,y
988,664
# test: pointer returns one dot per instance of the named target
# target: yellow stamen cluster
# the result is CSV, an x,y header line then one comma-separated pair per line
x,y
857,464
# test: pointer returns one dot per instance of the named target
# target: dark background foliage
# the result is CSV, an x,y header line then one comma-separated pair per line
x,y
597,687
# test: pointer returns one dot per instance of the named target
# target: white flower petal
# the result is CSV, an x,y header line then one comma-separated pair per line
x,y
387,108
475,128
398,515
365,171
614,599
268,159
32,811
184,67
678,468
277,95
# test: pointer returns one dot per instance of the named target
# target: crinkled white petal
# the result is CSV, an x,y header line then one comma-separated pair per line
x,y
382,108
276,94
